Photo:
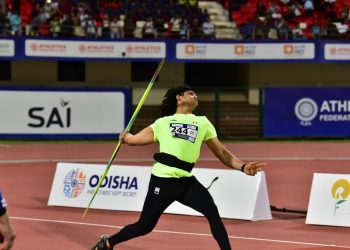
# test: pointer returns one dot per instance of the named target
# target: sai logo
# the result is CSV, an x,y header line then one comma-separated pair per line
x,y
340,192
306,110
74,183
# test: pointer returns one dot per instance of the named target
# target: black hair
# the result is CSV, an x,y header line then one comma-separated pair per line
x,y
169,103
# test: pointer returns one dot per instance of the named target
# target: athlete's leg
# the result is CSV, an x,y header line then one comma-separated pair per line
x,y
199,198
157,200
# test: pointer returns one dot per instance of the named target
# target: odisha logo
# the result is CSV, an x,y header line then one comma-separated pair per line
x,y
306,110
74,183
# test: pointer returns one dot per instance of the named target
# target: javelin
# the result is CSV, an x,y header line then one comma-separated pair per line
x,y
127,129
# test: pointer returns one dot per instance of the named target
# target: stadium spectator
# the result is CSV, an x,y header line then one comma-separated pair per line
x,y
195,29
297,9
262,28
115,28
289,15
208,29
184,29
40,14
274,10
309,7
15,21
316,30
56,25
148,29
283,29
129,27
159,22
34,26
331,14
249,28
6,229
106,26
91,29
344,14
67,26
261,10
3,20
174,26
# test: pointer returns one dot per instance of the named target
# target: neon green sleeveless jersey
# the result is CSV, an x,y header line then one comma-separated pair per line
x,y
182,136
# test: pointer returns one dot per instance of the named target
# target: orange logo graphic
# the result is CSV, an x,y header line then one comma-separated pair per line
x,y
288,49
190,49
239,49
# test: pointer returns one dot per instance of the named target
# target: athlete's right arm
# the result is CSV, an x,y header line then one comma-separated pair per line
x,y
144,137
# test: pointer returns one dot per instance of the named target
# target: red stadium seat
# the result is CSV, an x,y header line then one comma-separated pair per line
x,y
26,11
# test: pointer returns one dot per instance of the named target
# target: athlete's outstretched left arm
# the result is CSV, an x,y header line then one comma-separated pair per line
x,y
227,158
144,137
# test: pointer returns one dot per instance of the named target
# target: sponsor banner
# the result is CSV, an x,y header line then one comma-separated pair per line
x,y
245,51
125,188
314,112
63,112
337,51
329,202
94,49
7,48
225,186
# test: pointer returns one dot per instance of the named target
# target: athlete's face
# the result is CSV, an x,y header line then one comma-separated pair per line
x,y
190,98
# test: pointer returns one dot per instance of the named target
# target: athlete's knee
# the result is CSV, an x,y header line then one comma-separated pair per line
x,y
145,228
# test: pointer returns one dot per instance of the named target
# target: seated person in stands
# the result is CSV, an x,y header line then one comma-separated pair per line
x,y
195,29
208,29
129,27
3,20
159,22
316,30
148,29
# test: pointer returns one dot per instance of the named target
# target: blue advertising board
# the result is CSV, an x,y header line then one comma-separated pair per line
x,y
174,50
306,112
126,50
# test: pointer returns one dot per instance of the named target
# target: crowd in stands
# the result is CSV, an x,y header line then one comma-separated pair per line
x,y
180,19
291,19
103,18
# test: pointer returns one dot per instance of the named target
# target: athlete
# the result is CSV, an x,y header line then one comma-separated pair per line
x,y
180,135
7,234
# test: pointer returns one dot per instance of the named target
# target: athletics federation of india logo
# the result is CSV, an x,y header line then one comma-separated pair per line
x,y
340,192
74,183
306,110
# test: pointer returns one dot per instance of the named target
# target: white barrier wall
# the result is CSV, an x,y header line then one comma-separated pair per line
x,y
237,195
329,202
54,112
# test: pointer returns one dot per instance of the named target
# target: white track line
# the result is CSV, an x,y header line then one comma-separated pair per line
x,y
181,233
204,159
